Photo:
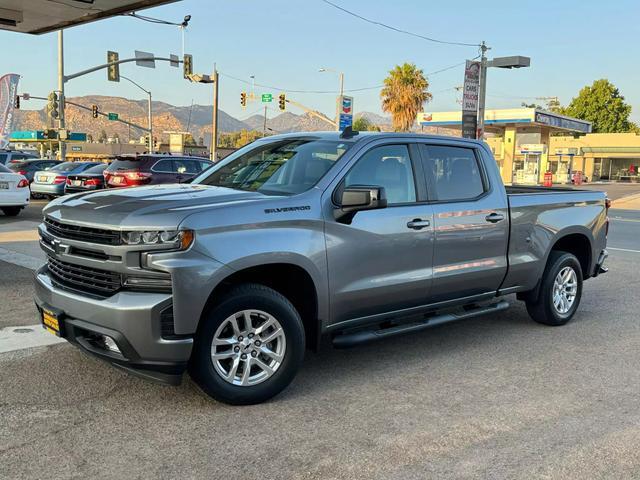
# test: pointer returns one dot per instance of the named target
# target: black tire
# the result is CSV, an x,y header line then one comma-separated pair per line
x,y
543,309
246,297
11,211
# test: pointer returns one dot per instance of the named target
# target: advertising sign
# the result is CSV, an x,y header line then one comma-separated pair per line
x,y
470,96
8,92
345,111
563,122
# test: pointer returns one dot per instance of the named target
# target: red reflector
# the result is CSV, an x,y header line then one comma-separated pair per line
x,y
23,183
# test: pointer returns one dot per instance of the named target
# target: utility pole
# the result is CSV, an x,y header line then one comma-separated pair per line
x,y
214,123
264,124
341,83
483,89
61,100
151,146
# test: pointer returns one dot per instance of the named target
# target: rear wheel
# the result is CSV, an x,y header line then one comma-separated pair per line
x,y
560,290
249,346
11,211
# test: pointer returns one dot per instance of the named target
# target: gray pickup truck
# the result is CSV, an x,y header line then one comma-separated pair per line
x,y
295,237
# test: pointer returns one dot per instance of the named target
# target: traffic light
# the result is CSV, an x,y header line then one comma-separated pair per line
x,y
243,99
282,102
16,102
53,106
113,71
94,111
187,65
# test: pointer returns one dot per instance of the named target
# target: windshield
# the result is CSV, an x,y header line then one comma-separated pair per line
x,y
281,167
66,167
96,168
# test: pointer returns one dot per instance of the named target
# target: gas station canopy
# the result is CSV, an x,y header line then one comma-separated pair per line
x,y
42,16
519,117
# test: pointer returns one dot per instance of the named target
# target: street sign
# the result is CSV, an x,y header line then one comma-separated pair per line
x,y
145,59
267,98
174,60
113,71
112,116
470,96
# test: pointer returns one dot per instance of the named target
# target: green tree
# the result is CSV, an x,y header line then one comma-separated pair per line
x,y
361,124
404,95
603,106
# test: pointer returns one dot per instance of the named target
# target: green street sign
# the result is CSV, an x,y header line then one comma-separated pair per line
x,y
113,116
267,97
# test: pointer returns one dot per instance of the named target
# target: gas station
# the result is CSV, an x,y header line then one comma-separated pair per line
x,y
520,141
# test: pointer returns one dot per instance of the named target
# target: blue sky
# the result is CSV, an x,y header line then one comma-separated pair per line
x,y
283,43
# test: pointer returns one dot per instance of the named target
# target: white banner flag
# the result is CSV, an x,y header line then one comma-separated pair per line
x,y
8,92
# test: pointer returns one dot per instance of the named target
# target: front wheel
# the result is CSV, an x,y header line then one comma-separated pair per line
x,y
560,290
249,346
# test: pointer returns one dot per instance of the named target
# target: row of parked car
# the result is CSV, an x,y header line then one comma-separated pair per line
x,y
53,178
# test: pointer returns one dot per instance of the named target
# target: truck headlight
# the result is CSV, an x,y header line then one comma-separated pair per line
x,y
180,239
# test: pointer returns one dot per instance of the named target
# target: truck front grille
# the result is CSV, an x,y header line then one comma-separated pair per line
x,y
84,234
83,279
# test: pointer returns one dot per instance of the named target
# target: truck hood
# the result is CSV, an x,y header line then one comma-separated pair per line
x,y
155,206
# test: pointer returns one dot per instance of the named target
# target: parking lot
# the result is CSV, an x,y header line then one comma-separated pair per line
x,y
495,397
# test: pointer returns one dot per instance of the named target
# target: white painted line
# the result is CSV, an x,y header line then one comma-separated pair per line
x,y
19,338
21,259
623,249
619,219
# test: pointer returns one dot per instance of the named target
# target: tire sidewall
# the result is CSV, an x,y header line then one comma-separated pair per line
x,y
249,297
562,260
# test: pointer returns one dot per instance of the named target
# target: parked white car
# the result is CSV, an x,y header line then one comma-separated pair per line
x,y
14,192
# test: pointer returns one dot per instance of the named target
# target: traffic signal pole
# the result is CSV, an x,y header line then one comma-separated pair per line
x,y
61,100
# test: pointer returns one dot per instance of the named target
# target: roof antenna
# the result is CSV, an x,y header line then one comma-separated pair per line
x,y
348,132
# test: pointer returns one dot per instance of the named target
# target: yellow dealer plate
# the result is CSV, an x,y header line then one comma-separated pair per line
x,y
51,321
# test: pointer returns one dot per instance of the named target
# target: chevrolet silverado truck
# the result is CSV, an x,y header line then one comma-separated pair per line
x,y
353,237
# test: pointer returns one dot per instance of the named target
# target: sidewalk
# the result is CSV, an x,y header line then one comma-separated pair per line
x,y
630,202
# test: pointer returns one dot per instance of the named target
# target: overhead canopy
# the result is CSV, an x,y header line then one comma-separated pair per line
x,y
520,117
42,16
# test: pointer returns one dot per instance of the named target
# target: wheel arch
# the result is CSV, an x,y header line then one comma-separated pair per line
x,y
290,279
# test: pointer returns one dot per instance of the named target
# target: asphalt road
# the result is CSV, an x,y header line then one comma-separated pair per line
x,y
497,397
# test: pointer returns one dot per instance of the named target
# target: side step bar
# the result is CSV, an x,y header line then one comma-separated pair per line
x,y
346,340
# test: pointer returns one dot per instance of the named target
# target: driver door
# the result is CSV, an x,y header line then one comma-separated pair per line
x,y
382,260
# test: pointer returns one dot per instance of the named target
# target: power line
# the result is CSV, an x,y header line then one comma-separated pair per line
x,y
399,30
350,90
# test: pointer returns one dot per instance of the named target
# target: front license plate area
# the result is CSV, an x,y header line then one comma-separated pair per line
x,y
52,321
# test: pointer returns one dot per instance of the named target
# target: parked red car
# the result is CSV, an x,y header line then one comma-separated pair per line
x,y
151,169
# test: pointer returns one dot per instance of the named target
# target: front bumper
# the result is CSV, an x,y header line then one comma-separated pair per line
x,y
48,188
131,319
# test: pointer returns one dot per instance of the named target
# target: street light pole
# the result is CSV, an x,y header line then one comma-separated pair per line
x,y
61,79
214,123
150,114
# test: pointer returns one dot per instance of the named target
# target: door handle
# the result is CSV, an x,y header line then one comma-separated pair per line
x,y
494,217
418,224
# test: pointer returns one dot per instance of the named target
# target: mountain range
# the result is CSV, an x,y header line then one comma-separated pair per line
x,y
166,117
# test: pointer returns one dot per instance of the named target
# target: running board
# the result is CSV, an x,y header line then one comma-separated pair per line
x,y
346,340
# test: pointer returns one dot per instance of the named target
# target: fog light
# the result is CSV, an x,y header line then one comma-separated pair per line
x,y
110,344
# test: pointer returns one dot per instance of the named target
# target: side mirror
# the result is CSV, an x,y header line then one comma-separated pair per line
x,y
356,198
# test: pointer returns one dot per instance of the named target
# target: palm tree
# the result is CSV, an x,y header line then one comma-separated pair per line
x,y
404,94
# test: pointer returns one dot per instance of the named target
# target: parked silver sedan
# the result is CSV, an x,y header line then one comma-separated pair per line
x,y
52,181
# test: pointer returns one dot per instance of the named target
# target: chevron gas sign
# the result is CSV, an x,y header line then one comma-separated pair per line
x,y
345,112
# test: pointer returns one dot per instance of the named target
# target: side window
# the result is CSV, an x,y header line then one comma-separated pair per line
x,y
189,167
388,166
454,172
164,166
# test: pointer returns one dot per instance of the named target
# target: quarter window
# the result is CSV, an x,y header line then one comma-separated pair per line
x,y
388,166
454,172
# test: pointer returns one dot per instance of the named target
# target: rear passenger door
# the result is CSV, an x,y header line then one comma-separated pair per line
x,y
471,221
163,171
